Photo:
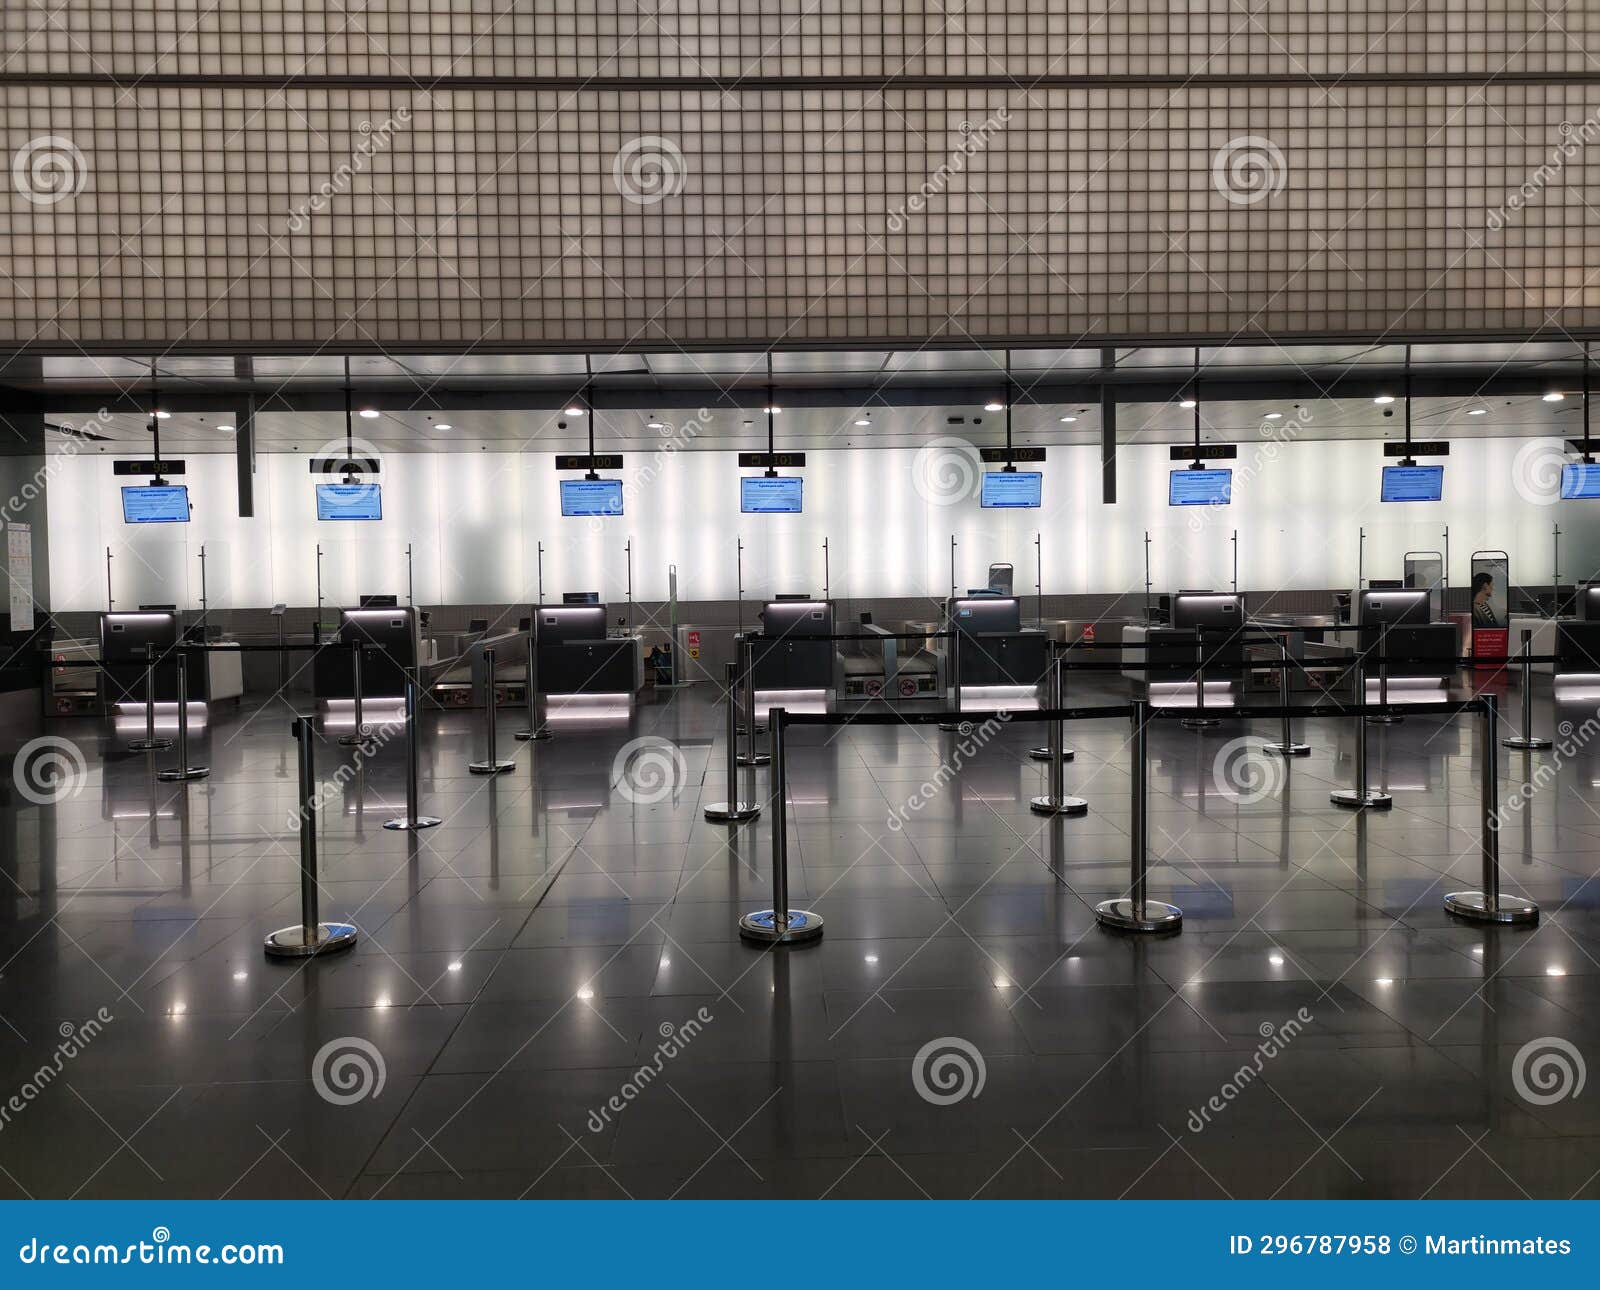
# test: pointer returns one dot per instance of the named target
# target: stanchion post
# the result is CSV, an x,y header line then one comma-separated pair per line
x,y
1057,661
1199,721
1487,905
183,771
1286,746
491,763
535,730
1137,912
780,925
311,935
955,678
747,688
1527,741
732,811
1361,798
355,736
413,818
150,743
1056,802
1384,718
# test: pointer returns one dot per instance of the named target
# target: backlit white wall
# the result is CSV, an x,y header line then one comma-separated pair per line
x,y
474,522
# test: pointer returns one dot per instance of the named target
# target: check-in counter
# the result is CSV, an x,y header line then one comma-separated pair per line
x,y
794,651
1546,640
576,656
391,646
995,648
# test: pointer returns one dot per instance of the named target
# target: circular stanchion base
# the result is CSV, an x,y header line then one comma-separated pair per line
x,y
1199,723
292,942
491,767
1288,750
762,926
1043,754
753,759
421,822
734,813
1527,743
1125,916
1477,906
1371,801
185,773
1066,806
529,736
150,745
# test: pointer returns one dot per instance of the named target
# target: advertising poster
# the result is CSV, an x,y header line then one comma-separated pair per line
x,y
1490,601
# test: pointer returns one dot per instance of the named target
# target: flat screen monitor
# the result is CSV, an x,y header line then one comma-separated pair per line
x,y
1410,606
349,502
591,497
1199,488
155,504
1413,483
1580,481
759,495
1018,490
1208,611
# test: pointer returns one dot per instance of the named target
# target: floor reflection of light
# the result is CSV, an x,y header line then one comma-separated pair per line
x,y
791,701
1184,694
1409,689
1385,980
593,711
666,963
585,993
1275,959
1555,971
872,958
1005,698
452,967
1000,983
382,1001
241,976
1577,687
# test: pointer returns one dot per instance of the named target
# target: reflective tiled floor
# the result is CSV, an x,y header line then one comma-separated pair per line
x,y
553,989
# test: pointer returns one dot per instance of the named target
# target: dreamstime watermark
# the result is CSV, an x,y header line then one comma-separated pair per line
x,y
649,169
34,489
49,769
971,742
1574,138
371,739
948,1070
1274,1039
674,1039
974,140
1274,434
648,770
1248,770
1548,1070
48,169
1569,742
74,1039
1536,471
1248,169
348,1070
946,471
374,140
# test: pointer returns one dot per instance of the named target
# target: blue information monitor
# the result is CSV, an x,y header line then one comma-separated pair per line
x,y
591,497
759,495
1580,481
157,504
349,502
1413,483
1013,489
1200,488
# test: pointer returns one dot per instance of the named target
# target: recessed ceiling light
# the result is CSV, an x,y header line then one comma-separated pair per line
x,y
655,425
994,407
444,425
1384,398
573,411
774,409
864,421
1555,396
163,416
1068,420
225,429
1187,403
1477,412
1274,416
369,413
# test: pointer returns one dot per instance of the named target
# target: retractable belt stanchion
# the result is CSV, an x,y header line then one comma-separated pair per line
x,y
1527,741
1286,746
1044,753
531,685
413,818
491,763
1487,906
733,811
183,771
1199,721
747,688
780,924
1137,912
355,736
150,743
1384,718
1361,798
311,935
1056,802
955,678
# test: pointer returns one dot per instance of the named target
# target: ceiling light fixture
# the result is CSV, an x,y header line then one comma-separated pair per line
x,y
1555,396
1274,416
369,413
864,421
573,410
444,425
994,407
1068,420
1187,403
1384,398
1477,412
772,409
163,416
